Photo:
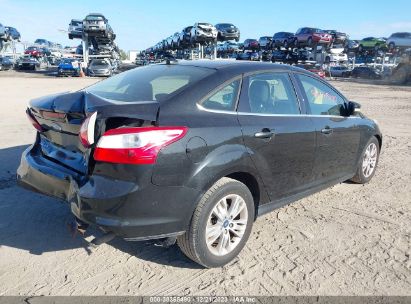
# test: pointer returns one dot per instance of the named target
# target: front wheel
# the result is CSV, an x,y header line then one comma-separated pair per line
x,y
221,224
368,162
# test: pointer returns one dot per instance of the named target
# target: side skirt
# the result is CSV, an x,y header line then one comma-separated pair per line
x,y
266,208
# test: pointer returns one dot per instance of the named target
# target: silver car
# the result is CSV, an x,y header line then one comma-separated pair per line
x,y
75,29
100,67
203,32
399,40
97,25
339,71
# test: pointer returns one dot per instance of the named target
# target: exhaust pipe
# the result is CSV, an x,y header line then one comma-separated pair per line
x,y
107,237
77,226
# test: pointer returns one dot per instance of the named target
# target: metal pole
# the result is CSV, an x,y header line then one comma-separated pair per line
x,y
85,49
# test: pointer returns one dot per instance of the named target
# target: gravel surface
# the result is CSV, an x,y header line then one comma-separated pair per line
x,y
347,240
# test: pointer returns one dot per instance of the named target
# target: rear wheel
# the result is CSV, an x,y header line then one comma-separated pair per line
x,y
368,162
221,224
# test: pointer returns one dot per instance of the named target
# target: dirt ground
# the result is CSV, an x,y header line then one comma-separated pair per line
x,y
348,240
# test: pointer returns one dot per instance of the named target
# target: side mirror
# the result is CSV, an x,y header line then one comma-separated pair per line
x,y
351,107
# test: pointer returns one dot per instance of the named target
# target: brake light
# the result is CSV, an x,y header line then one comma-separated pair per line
x,y
34,121
136,145
86,134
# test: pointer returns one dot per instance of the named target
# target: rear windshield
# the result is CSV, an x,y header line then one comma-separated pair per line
x,y
155,82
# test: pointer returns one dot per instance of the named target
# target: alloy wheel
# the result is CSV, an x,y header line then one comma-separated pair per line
x,y
226,224
370,160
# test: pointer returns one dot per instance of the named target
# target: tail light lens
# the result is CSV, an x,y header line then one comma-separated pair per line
x,y
136,145
86,134
34,121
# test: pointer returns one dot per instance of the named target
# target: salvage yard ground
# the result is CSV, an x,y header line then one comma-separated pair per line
x,y
347,240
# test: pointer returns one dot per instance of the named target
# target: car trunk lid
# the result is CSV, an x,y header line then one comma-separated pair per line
x,y
62,115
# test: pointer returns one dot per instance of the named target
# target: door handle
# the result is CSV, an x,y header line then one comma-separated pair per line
x,y
327,130
265,133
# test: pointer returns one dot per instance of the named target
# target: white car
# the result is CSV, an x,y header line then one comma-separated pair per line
x,y
203,32
336,55
399,40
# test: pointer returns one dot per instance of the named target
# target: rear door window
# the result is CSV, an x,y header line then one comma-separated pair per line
x,y
270,93
224,99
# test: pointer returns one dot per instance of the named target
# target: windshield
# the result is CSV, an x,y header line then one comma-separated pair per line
x,y
150,83
94,18
99,62
204,24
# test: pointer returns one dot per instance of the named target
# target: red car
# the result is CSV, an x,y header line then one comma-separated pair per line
x,y
307,36
34,51
319,72
251,44
313,69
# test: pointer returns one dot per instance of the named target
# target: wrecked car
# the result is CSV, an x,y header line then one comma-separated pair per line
x,y
195,151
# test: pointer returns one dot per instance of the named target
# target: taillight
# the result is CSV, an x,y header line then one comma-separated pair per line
x,y
86,134
136,145
34,121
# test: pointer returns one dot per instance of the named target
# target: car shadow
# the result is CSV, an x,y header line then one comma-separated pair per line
x,y
39,224
48,71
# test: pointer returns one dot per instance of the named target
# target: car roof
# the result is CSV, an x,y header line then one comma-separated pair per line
x,y
236,66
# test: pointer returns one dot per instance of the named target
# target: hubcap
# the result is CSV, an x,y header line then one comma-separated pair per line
x,y
369,160
226,224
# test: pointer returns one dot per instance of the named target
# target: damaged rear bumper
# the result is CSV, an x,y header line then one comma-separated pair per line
x,y
133,211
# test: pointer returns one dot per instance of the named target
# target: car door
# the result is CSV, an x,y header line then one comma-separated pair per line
x,y
280,140
338,136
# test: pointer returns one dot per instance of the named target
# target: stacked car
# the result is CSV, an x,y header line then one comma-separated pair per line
x,y
201,33
8,34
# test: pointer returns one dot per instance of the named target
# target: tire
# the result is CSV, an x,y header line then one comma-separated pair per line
x,y
365,174
296,44
360,48
391,46
194,242
309,41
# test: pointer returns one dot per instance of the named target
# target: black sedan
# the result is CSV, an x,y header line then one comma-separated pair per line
x,y
365,72
195,151
286,56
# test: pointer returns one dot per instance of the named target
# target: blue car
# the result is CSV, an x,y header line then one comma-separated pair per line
x,y
69,67
249,55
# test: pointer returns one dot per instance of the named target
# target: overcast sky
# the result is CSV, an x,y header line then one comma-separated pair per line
x,y
140,24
